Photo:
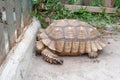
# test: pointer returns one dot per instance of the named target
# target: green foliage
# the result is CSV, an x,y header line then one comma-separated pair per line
x,y
96,19
99,3
83,14
117,3
71,1
54,9
74,1
96,2
34,1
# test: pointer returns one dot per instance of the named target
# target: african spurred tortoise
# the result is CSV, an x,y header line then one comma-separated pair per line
x,y
68,37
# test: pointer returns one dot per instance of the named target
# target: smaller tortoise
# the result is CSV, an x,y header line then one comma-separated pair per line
x,y
68,37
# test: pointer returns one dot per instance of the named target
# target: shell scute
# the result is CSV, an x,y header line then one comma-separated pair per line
x,y
69,32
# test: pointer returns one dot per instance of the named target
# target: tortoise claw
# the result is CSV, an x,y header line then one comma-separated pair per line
x,y
54,60
57,61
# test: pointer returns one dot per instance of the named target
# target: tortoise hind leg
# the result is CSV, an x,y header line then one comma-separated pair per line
x,y
51,57
93,54
93,50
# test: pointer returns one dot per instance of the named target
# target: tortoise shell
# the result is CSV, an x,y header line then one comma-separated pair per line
x,y
72,37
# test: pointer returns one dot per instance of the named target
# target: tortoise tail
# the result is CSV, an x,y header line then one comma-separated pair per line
x,y
51,57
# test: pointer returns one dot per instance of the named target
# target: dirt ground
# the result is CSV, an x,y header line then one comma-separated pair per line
x,y
105,67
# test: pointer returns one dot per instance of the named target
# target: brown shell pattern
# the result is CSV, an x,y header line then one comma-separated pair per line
x,y
72,37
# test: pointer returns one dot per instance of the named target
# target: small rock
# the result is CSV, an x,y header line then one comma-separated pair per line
x,y
109,27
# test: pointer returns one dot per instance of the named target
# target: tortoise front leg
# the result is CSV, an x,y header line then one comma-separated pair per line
x,y
39,47
50,57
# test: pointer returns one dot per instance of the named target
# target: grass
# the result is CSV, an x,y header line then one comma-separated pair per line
x,y
53,9
96,2
117,3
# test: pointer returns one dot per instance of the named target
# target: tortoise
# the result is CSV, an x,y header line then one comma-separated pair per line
x,y
68,37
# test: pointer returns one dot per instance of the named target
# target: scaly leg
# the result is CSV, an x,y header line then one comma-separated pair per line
x,y
39,47
50,57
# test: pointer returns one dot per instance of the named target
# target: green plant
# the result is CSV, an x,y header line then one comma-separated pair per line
x,y
96,2
117,3
83,14
71,1
54,9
